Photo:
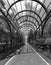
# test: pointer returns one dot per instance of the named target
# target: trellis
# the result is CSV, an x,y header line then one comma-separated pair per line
x,y
12,20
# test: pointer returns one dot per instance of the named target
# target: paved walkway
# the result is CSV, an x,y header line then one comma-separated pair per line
x,y
27,58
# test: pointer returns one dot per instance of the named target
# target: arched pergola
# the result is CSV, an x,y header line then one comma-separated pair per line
x,y
17,14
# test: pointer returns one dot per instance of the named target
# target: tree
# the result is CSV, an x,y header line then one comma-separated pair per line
x,y
1,1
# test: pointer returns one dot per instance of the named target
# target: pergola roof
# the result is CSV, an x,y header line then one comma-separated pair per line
x,y
24,15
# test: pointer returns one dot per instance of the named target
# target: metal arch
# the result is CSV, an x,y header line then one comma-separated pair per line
x,y
30,21
32,0
29,11
45,21
12,5
1,16
5,53
47,17
29,16
41,5
8,21
43,24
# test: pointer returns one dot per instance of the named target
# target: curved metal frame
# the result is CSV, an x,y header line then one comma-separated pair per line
x,y
28,11
30,22
4,54
1,16
32,0
8,25
8,21
44,7
28,16
45,21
